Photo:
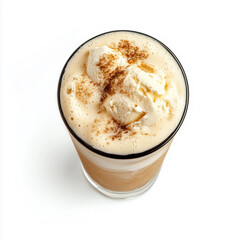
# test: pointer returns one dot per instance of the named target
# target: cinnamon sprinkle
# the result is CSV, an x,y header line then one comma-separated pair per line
x,y
106,64
119,131
113,82
113,129
81,92
131,51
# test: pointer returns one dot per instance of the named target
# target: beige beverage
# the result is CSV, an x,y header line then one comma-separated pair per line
x,y
122,95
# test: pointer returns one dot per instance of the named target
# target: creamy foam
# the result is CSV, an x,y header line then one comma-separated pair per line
x,y
123,103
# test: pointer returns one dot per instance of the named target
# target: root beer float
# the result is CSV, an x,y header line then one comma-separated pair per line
x,y
122,95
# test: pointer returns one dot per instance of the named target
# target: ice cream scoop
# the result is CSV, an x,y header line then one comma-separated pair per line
x,y
108,57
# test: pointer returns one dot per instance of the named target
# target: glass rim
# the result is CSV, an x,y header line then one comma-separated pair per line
x,y
132,155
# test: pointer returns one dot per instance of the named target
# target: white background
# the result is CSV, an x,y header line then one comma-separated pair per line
x,y
44,194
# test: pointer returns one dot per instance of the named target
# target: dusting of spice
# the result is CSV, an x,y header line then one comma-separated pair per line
x,y
113,129
131,51
106,63
113,82
118,131
81,92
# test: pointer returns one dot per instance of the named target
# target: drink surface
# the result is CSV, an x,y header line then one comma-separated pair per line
x,y
123,93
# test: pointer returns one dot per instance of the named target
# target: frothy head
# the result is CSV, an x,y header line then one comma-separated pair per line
x,y
128,96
